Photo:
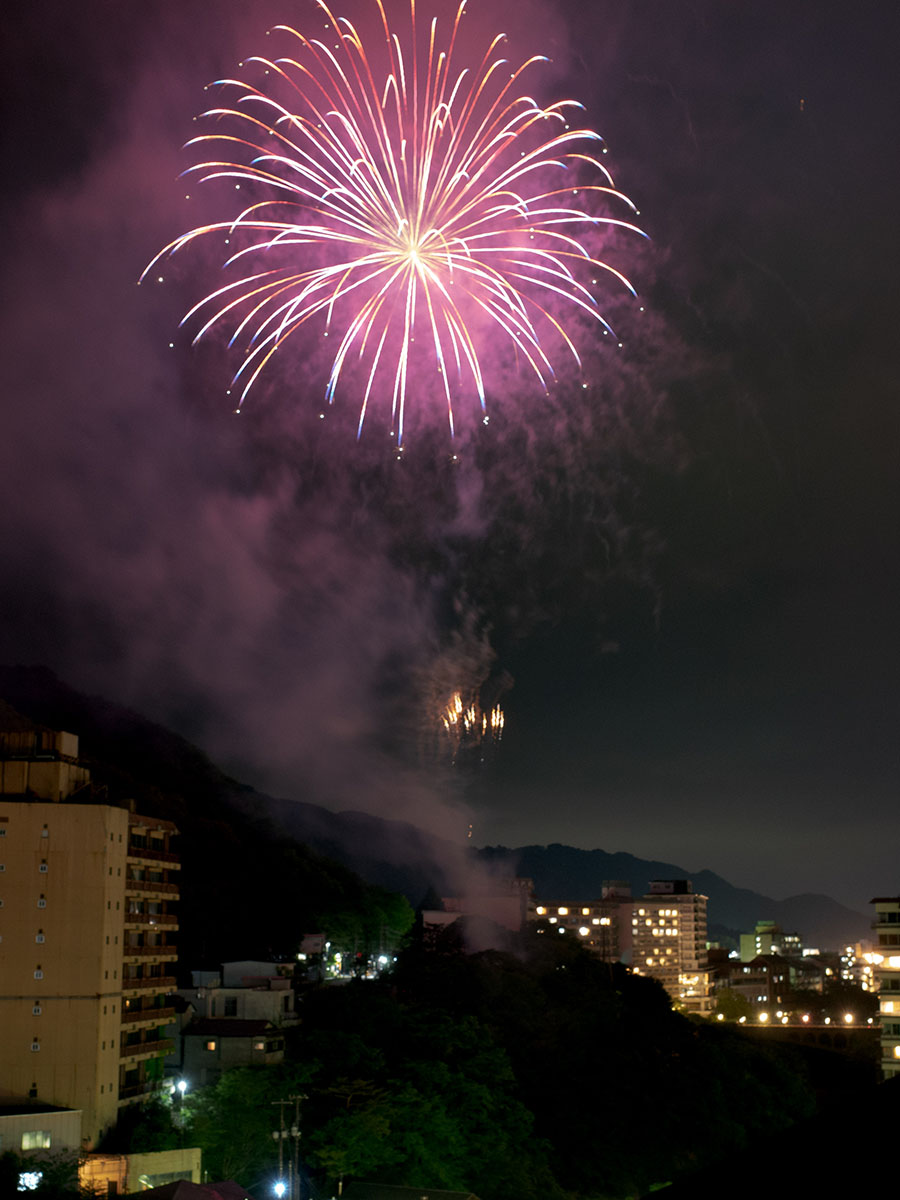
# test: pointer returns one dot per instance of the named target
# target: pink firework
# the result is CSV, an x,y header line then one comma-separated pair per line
x,y
426,196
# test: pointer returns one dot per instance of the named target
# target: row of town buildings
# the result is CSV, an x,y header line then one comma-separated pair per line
x,y
91,1015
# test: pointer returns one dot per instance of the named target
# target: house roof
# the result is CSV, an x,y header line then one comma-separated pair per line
x,y
228,1027
386,1191
182,1189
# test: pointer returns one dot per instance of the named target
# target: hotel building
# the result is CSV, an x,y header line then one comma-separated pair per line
x,y
669,930
87,935
886,967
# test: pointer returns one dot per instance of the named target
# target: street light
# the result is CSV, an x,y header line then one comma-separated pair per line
x,y
280,1188
180,1087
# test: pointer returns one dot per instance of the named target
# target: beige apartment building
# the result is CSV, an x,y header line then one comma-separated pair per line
x,y
669,929
87,936
886,968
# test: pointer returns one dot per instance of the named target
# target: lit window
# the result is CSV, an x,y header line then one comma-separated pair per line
x,y
36,1139
259,1045
585,912
553,920
540,910
211,1045
595,921
563,912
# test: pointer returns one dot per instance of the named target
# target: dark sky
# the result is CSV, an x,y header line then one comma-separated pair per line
x,y
682,582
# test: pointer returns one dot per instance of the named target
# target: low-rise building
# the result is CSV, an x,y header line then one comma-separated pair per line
x,y
213,1045
105,1175
34,1131
769,938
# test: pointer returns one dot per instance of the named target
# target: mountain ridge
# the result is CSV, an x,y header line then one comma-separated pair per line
x,y
164,769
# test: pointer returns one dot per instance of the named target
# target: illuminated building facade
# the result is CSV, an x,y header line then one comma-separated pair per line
x,y
604,925
87,937
886,966
669,931
769,938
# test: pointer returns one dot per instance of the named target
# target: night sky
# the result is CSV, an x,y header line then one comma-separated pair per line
x,y
681,582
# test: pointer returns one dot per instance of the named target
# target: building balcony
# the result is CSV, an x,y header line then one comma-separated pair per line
x,y
159,983
134,887
166,952
134,1090
143,920
138,1050
148,1016
148,854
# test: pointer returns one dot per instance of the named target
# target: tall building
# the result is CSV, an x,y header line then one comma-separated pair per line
x,y
87,935
886,967
669,929
603,925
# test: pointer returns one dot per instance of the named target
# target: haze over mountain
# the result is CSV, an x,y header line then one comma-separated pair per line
x,y
139,757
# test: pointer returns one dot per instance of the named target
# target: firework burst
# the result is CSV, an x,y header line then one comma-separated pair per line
x,y
396,189
467,724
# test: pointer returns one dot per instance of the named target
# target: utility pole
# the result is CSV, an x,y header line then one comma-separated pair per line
x,y
293,1181
280,1135
295,1134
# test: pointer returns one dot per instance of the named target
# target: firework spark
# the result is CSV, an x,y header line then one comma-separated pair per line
x,y
422,195
467,724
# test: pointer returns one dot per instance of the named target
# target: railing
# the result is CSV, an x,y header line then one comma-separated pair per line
x,y
151,919
153,855
150,885
159,1016
160,982
138,1089
137,1049
149,951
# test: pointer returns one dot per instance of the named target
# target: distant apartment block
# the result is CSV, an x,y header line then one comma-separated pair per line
x,y
669,930
87,935
886,966
603,926
769,938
